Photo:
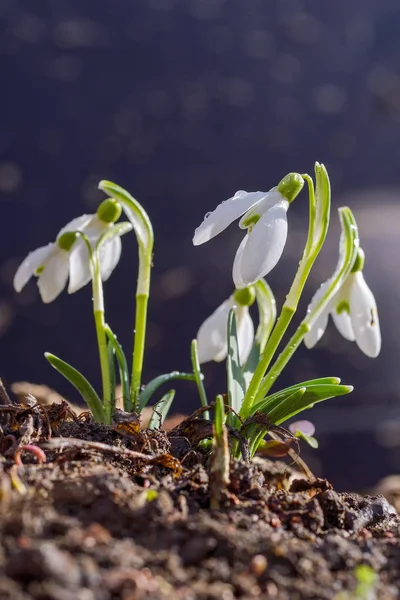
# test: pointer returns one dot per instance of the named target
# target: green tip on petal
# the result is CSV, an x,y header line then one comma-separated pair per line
x,y
291,186
67,240
245,296
109,210
359,262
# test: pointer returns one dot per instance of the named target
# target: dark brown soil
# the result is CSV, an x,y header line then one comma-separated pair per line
x,y
116,512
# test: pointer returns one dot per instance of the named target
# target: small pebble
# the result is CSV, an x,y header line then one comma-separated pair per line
x,y
258,564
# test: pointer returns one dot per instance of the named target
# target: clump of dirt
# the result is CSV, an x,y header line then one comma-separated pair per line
x,y
95,512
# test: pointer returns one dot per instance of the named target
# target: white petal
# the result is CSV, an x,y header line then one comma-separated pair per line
x,y
364,317
265,244
225,214
245,333
305,427
77,224
343,324
317,329
30,264
79,267
110,254
237,268
212,335
54,276
262,206
95,229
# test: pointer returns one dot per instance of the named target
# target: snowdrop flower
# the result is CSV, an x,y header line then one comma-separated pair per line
x,y
265,220
68,256
354,312
212,342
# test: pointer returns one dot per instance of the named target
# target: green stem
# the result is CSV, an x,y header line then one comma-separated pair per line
x,y
284,358
277,333
98,311
318,224
142,298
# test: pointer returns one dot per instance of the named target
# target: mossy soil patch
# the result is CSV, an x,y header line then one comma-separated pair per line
x,y
116,512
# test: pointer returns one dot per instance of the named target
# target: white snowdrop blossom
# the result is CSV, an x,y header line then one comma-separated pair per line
x,y
354,312
212,342
265,220
68,256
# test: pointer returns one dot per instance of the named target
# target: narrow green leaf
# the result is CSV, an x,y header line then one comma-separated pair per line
x,y
314,394
81,384
219,415
155,383
198,376
160,410
122,366
257,432
111,363
274,399
118,229
266,311
236,382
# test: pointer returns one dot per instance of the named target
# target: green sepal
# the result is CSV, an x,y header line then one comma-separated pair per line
x,y
162,407
81,384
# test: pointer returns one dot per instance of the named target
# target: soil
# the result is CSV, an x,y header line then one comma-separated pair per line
x,y
94,512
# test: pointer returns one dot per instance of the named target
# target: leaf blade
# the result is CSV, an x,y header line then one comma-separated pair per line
x,y
80,382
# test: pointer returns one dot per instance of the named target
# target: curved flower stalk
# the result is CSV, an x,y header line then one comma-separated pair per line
x,y
354,312
348,250
319,215
265,221
69,256
145,238
212,343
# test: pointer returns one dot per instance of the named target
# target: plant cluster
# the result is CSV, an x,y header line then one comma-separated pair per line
x,y
88,250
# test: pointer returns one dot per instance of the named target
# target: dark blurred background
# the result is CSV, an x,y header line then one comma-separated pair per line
x,y
183,102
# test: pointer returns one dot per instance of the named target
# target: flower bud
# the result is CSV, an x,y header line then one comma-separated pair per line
x,y
245,296
67,240
109,210
291,186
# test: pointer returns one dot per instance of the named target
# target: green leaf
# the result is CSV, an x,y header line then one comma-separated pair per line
x,y
257,431
219,415
111,363
155,383
281,409
236,383
118,229
122,366
81,384
160,410
198,376
273,399
266,311
309,439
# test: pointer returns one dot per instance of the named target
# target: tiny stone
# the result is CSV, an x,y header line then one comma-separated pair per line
x,y
258,564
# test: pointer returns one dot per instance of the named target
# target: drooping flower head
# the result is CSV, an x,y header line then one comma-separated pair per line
x,y
265,221
69,257
212,342
354,312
